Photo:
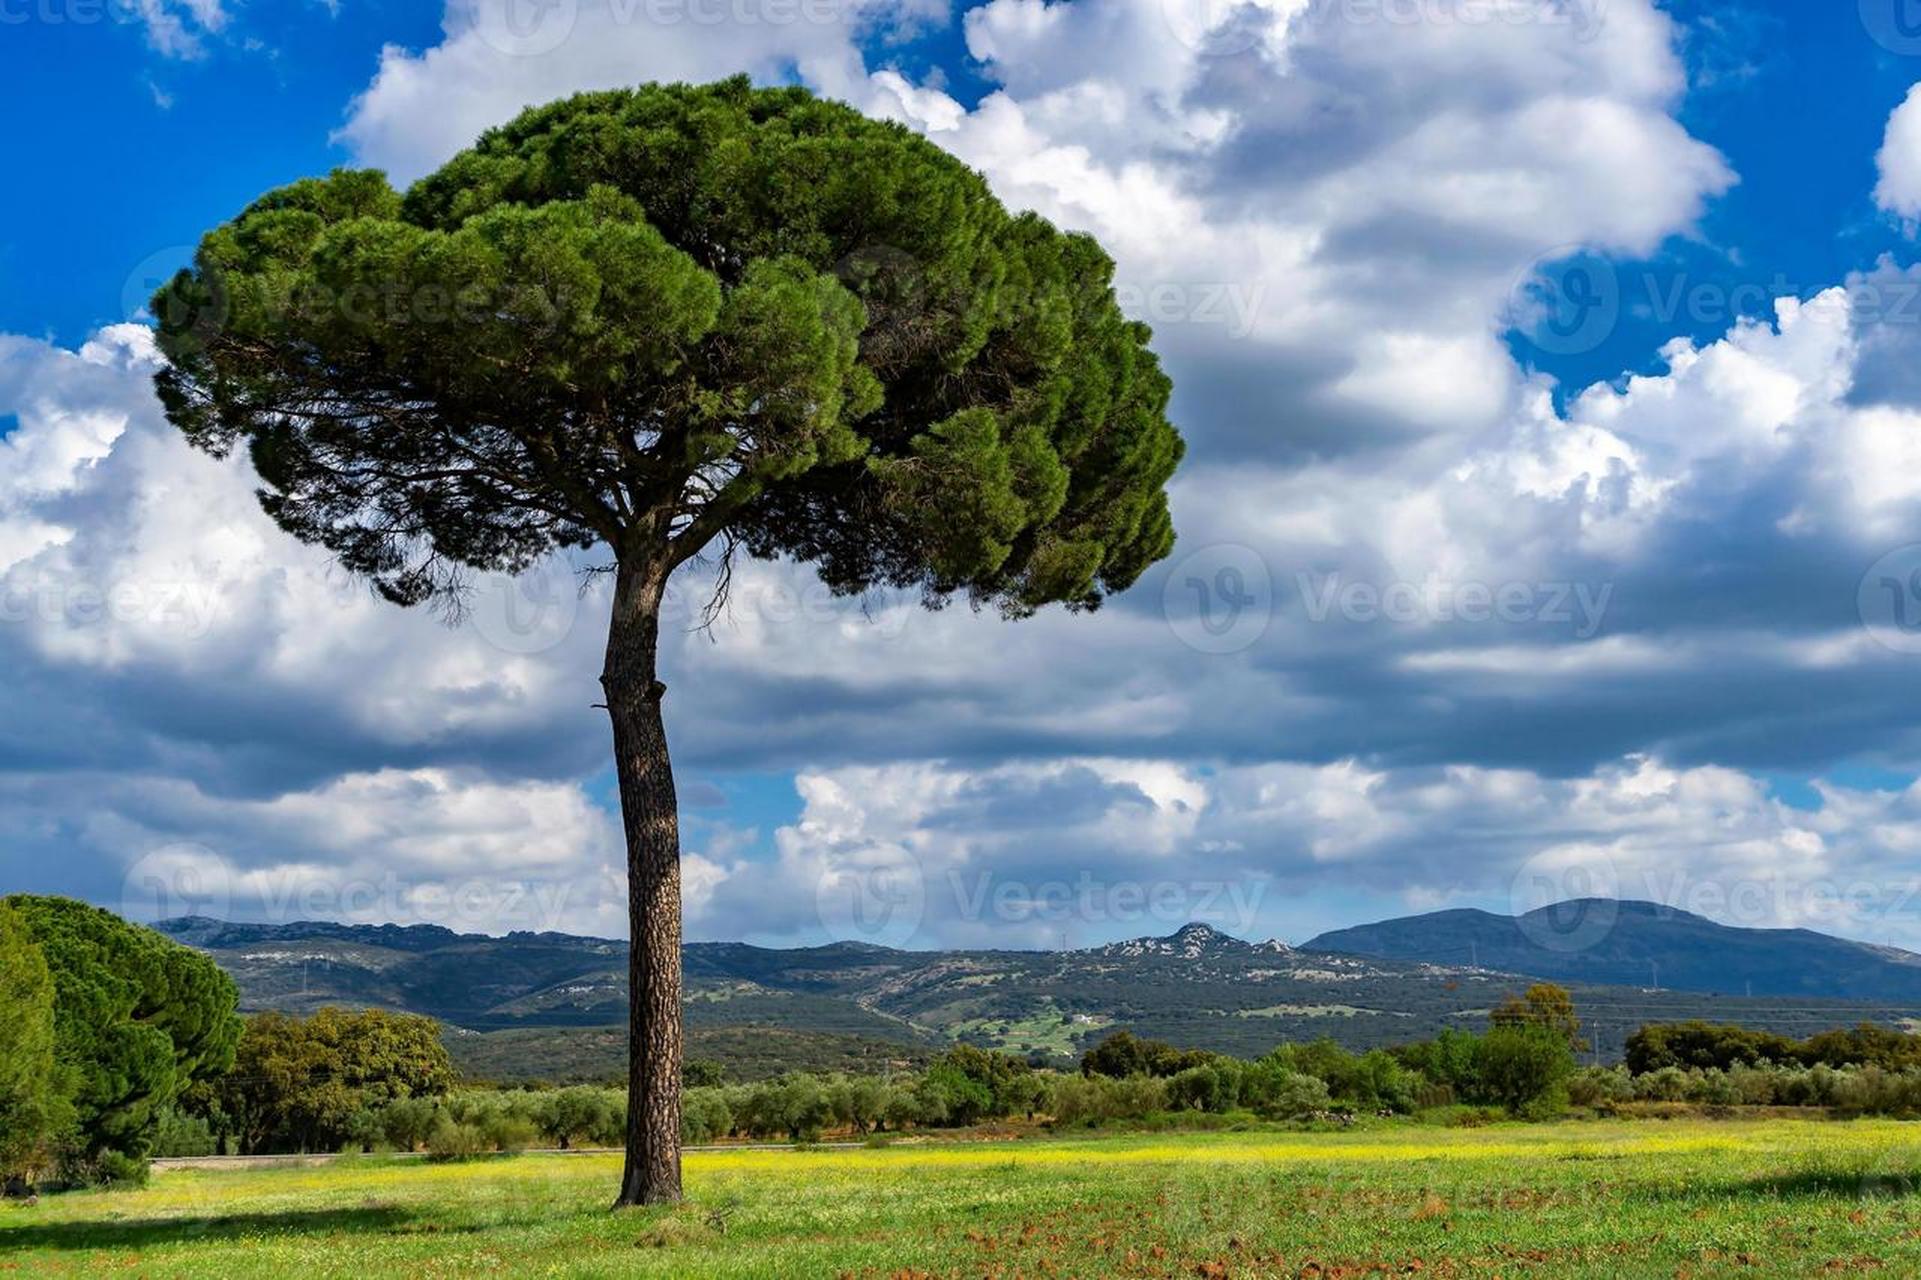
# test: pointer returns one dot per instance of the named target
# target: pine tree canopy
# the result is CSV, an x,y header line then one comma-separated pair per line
x,y
652,319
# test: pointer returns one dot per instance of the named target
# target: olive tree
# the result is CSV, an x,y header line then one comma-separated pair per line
x,y
669,322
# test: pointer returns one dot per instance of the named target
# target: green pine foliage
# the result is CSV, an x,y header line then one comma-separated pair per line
x,y
34,1108
655,317
136,1019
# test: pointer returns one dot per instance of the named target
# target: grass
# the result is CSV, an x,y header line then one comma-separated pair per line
x,y
1047,1030
1690,1199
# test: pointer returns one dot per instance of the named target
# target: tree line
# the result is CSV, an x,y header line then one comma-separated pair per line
x,y
117,1044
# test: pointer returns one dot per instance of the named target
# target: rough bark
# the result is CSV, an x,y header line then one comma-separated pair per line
x,y
651,820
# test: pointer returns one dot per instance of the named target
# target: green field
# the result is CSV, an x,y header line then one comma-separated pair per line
x,y
1595,1199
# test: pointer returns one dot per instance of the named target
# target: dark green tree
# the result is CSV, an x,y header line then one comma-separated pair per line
x,y
136,1017
669,322
1523,1067
1124,1054
1545,1004
1706,1044
297,1083
33,1097
1867,1044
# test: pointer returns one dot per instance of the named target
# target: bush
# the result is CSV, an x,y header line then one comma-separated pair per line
x,y
1754,1086
1448,1060
182,1135
1215,1087
452,1140
1669,1084
1524,1068
75,1167
407,1124
1078,1101
1873,1090
506,1131
1124,1054
1381,1082
366,1131
584,1114
704,1116
1293,1096
1600,1087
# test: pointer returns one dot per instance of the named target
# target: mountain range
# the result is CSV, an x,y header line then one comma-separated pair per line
x,y
551,1005
1603,941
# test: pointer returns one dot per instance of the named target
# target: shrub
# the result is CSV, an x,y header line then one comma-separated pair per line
x,y
1124,1054
1448,1060
1093,1100
452,1140
704,1116
1600,1087
407,1124
1293,1096
583,1114
1669,1084
181,1135
1524,1068
1215,1087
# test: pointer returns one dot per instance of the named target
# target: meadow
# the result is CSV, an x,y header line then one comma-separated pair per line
x,y
1694,1198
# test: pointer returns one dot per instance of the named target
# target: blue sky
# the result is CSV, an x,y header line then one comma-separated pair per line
x,y
1381,411
1794,95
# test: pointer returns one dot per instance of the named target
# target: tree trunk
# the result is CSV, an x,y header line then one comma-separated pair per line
x,y
650,817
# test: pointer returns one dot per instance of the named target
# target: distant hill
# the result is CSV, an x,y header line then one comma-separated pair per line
x,y
551,1006
1642,944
